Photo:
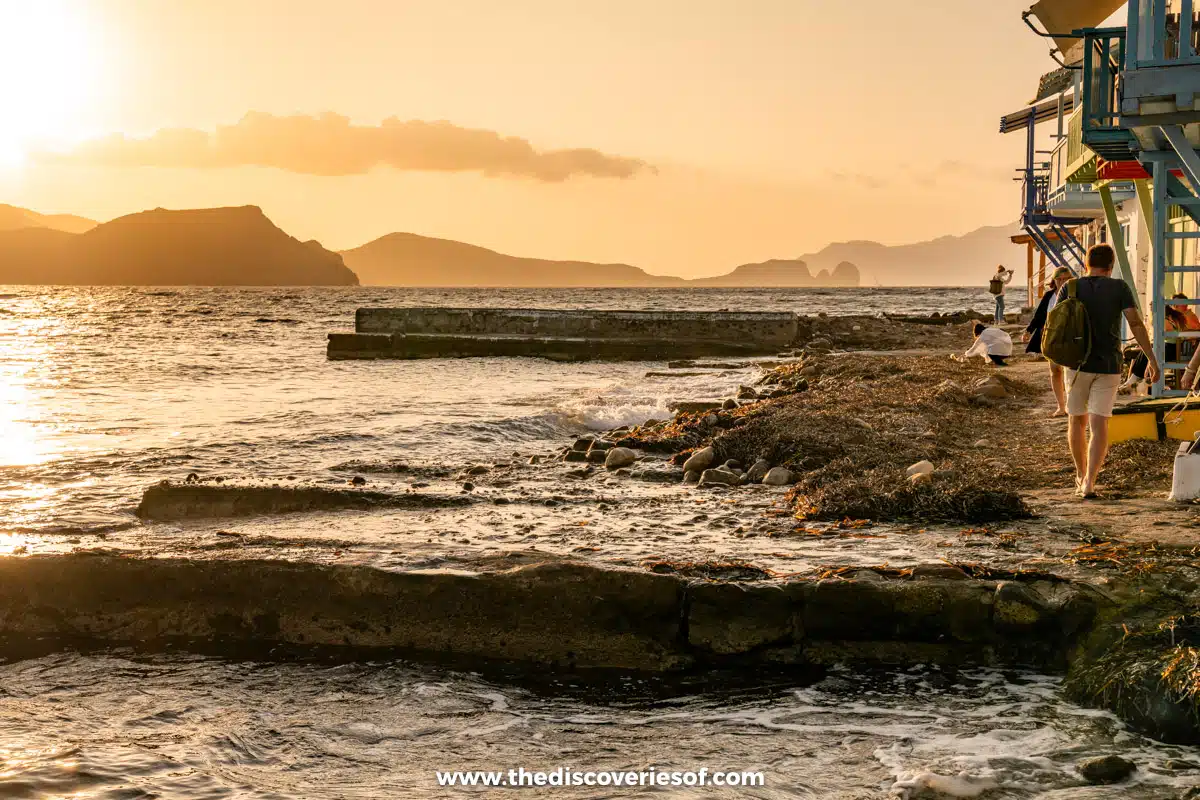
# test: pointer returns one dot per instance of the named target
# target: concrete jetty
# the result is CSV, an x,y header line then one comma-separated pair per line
x,y
562,335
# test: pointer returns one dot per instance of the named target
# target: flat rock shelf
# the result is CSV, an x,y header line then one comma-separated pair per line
x,y
581,335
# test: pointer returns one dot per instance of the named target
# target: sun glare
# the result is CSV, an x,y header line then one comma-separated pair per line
x,y
49,70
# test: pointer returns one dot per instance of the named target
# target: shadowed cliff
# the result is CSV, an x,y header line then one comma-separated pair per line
x,y
199,247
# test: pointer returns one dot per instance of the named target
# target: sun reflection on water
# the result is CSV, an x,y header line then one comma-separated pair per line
x,y
23,345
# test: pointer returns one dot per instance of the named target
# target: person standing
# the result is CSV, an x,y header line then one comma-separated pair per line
x,y
1092,389
996,286
1033,336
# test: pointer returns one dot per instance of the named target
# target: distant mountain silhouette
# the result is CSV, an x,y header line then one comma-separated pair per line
x,y
406,259
13,218
199,247
783,273
947,261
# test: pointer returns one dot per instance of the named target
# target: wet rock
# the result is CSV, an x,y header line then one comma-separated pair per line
x,y
177,501
712,420
583,443
811,371
729,405
820,343
758,471
1106,770
779,476
576,456
732,464
945,572
468,487
719,477
920,468
1018,606
619,457
658,474
695,406
700,460
534,460
600,444
597,456
358,480
192,477
746,393
691,476
585,472
564,614
921,478
478,469
731,618
500,501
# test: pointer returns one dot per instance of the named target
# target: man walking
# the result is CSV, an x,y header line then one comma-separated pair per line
x,y
996,286
1092,389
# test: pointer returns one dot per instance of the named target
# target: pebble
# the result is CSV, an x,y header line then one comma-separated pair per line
x,y
719,477
1106,770
779,476
619,457
920,467
358,480
729,405
758,471
700,460
468,487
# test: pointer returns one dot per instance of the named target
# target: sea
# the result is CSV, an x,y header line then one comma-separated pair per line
x,y
105,391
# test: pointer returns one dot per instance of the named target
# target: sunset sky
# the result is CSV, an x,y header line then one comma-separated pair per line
x,y
683,136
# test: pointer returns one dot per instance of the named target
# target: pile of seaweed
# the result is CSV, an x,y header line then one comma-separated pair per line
x,y
849,426
1149,676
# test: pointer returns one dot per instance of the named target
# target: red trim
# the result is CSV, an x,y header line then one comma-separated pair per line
x,y
1125,171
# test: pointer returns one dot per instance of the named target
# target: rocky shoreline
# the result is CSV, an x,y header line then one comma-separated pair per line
x,y
953,474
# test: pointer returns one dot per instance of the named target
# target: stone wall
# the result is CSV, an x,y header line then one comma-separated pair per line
x,y
775,330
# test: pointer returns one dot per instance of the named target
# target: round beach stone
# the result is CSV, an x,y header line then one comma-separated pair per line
x,y
619,457
700,460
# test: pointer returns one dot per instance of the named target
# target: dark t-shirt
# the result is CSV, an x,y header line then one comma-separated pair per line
x,y
1105,300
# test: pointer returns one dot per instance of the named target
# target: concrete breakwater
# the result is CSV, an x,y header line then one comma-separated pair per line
x,y
563,614
571,335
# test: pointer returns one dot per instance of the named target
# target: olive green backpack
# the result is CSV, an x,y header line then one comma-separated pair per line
x,y
1067,337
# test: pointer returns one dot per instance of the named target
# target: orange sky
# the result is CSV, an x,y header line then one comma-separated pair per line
x,y
726,132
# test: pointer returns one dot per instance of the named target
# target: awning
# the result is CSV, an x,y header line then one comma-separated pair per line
x,y
1019,120
1054,83
1064,16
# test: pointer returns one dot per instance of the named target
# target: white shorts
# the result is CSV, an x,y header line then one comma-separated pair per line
x,y
1091,393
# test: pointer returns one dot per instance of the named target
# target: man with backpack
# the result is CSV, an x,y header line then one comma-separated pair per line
x,y
1083,334
996,286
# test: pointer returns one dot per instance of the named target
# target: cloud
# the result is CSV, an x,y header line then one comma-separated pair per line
x,y
328,144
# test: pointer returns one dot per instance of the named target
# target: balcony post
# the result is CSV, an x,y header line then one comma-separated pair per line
x,y
1185,29
1134,47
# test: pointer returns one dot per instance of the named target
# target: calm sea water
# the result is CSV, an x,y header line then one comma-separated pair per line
x,y
104,391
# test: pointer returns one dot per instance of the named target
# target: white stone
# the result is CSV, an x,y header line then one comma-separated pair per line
x,y
919,468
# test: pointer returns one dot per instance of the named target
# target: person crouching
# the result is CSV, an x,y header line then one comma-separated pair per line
x,y
991,344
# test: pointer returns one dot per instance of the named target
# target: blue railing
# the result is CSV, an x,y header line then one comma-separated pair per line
x,y
1162,33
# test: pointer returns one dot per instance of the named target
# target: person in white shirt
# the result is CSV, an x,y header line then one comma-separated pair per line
x,y
999,282
991,344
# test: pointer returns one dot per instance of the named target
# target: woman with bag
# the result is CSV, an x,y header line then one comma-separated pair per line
x,y
1033,335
